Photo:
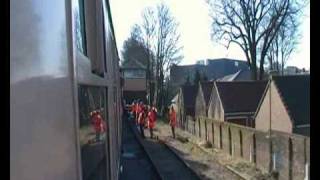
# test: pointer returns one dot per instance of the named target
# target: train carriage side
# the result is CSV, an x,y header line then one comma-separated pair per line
x,y
65,92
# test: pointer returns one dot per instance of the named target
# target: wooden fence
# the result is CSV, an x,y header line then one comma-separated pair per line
x,y
287,154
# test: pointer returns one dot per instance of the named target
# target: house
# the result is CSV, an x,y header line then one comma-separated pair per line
x,y
212,69
186,102
236,101
202,98
285,105
174,102
135,84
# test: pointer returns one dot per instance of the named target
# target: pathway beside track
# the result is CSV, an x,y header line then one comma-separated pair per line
x,y
168,164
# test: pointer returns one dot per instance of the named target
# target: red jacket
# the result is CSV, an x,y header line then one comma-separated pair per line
x,y
133,108
172,118
137,107
152,117
98,123
140,108
141,117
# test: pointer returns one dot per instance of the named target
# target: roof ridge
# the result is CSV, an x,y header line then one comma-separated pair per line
x,y
262,98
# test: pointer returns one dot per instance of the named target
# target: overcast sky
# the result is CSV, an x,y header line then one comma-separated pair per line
x,y
195,30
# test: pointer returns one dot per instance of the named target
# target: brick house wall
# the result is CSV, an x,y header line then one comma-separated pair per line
x,y
280,119
135,84
200,106
215,110
181,114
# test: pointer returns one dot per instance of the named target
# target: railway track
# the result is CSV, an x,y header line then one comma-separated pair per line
x,y
135,164
168,164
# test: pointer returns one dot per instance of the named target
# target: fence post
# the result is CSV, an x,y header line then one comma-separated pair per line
x,y
199,127
220,137
250,153
274,160
194,127
205,130
212,132
230,141
306,177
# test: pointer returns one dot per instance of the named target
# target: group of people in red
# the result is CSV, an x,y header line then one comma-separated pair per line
x,y
146,116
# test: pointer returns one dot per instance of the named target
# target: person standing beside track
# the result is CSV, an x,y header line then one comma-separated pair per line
x,y
141,120
133,110
172,120
138,109
152,117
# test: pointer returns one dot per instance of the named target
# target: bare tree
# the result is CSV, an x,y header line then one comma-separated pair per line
x,y
160,31
283,45
252,25
148,26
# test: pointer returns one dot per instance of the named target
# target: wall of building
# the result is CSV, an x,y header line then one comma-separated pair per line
x,y
215,110
280,119
181,112
135,85
200,107
287,154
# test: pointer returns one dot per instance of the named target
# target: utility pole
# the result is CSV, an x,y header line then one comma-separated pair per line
x,y
270,120
270,84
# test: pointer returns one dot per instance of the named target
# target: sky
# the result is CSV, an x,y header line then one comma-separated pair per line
x,y
194,27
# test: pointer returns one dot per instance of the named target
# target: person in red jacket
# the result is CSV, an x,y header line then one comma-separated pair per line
x,y
137,109
140,108
152,117
98,124
141,121
172,120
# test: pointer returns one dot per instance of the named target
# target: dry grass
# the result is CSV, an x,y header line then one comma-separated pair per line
x,y
213,161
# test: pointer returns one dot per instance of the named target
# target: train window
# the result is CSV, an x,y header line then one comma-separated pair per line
x,y
80,27
104,39
93,133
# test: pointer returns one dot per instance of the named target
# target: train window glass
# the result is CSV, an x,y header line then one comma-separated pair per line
x,y
104,39
81,40
98,67
93,131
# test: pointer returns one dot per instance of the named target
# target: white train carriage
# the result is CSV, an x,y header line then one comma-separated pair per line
x,y
64,65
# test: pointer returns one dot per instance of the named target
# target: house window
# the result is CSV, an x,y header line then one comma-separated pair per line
x,y
81,40
134,73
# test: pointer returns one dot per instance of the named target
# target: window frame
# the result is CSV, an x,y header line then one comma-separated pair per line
x,y
81,13
93,57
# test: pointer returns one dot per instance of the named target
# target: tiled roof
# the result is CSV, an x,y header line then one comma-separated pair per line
x,y
216,68
206,90
189,97
295,93
240,96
